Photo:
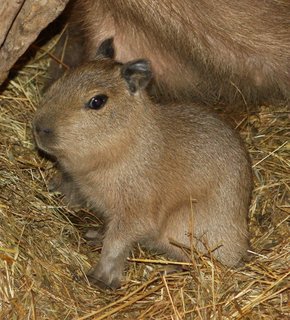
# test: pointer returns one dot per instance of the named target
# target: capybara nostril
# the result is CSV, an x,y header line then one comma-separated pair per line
x,y
41,129
46,130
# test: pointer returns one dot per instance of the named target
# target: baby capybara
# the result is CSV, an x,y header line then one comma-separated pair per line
x,y
160,174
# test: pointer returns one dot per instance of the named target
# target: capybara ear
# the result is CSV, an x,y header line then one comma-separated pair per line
x,y
137,73
106,49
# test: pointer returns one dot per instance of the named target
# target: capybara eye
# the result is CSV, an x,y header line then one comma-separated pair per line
x,y
97,102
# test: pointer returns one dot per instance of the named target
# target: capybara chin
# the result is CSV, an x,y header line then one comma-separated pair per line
x,y
157,172
234,51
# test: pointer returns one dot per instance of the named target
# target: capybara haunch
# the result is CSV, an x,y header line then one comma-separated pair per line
x,y
237,51
158,173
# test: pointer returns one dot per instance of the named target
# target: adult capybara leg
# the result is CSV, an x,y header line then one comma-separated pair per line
x,y
68,53
69,49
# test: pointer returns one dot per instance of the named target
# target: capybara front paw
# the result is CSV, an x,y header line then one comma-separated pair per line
x,y
103,280
94,237
54,183
64,184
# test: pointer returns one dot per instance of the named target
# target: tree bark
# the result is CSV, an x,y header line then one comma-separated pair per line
x,y
21,21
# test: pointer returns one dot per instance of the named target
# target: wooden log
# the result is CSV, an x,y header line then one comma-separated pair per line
x,y
8,13
21,21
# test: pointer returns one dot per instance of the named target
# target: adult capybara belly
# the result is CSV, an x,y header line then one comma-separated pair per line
x,y
211,50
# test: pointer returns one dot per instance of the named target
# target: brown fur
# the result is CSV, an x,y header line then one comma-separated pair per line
x,y
211,50
141,164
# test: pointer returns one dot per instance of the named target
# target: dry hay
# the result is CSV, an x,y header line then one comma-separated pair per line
x,y
43,256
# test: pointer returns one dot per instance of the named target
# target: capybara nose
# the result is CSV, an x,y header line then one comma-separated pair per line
x,y
42,130
42,127
43,134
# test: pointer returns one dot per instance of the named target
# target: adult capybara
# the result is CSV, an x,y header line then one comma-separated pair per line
x,y
159,173
236,51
